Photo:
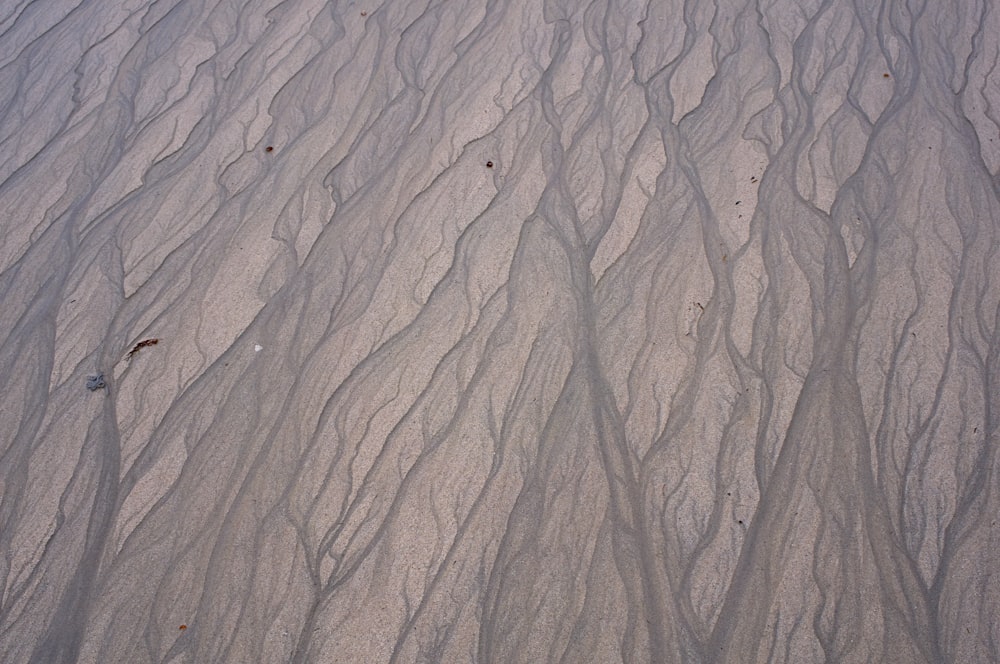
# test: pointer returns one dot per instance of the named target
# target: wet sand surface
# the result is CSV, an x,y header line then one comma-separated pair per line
x,y
504,331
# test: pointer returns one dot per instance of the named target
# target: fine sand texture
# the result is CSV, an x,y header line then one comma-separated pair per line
x,y
500,331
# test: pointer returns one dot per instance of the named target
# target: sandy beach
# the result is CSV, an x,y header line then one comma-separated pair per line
x,y
499,332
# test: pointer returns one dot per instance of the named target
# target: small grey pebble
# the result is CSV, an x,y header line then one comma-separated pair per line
x,y
95,382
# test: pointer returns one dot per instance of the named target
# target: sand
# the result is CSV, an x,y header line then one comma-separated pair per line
x,y
499,332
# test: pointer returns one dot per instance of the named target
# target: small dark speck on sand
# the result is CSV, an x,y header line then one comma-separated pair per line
x,y
95,382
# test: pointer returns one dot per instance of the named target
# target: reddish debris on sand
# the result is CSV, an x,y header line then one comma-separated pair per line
x,y
139,346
